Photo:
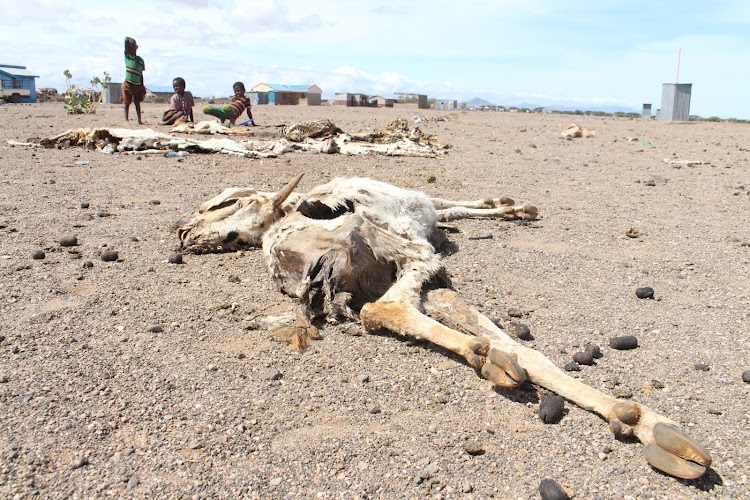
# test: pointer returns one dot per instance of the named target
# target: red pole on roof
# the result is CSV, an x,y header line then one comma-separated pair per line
x,y
677,76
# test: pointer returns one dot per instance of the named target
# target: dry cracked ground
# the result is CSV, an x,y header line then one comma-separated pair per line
x,y
138,378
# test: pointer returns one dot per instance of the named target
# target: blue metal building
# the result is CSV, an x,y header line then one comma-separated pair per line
x,y
18,77
305,95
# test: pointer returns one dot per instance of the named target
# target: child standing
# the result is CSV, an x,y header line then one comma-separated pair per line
x,y
133,89
237,104
180,105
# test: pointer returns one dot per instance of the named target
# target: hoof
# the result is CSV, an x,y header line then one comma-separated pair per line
x,y
676,453
503,370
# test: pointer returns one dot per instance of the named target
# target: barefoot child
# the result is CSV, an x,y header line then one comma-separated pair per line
x,y
133,89
180,105
234,109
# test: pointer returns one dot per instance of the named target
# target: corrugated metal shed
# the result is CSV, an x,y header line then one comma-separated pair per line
x,y
112,93
445,104
675,102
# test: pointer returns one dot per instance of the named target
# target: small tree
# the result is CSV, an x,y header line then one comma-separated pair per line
x,y
84,100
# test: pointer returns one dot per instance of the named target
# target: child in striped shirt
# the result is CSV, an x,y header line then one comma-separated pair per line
x,y
237,105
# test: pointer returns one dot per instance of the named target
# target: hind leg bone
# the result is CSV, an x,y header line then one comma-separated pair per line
x,y
667,448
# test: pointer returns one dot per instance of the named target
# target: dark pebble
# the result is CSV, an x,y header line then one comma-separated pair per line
x,y
551,408
154,202
68,241
550,490
746,376
645,292
572,367
175,258
623,343
37,255
584,358
595,350
703,367
155,329
84,205
109,256
522,331
88,264
103,214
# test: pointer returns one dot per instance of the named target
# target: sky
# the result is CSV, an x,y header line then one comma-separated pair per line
x,y
581,54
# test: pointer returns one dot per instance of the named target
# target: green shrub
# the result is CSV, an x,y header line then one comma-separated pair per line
x,y
82,100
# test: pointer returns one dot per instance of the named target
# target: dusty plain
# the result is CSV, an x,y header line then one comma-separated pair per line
x,y
94,405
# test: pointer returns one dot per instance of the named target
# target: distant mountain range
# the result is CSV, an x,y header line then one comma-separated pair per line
x,y
478,101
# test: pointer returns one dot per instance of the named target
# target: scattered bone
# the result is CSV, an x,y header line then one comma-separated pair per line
x,y
688,163
362,250
573,131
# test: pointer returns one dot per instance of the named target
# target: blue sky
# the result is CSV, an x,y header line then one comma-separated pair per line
x,y
583,54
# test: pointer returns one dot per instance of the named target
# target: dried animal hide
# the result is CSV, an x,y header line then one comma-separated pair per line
x,y
574,131
320,136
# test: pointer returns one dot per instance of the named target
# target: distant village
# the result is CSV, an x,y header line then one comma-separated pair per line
x,y
18,84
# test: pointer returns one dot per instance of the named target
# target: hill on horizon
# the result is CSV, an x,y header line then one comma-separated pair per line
x,y
478,101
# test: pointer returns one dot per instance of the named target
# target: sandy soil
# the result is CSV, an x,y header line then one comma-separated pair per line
x,y
94,403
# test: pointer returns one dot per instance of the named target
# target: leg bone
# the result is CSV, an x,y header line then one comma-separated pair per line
x,y
667,447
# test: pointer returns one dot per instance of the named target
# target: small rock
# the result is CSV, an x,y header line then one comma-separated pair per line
x,y
154,329
703,367
514,312
103,214
84,205
623,343
175,258
572,367
241,355
374,409
109,256
551,408
595,350
214,368
632,233
271,374
154,202
645,292
275,481
473,447
427,472
584,358
79,462
37,255
522,331
68,241
550,490
363,379
4,379
15,349
656,384
133,482
431,179
746,376
88,264
467,487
